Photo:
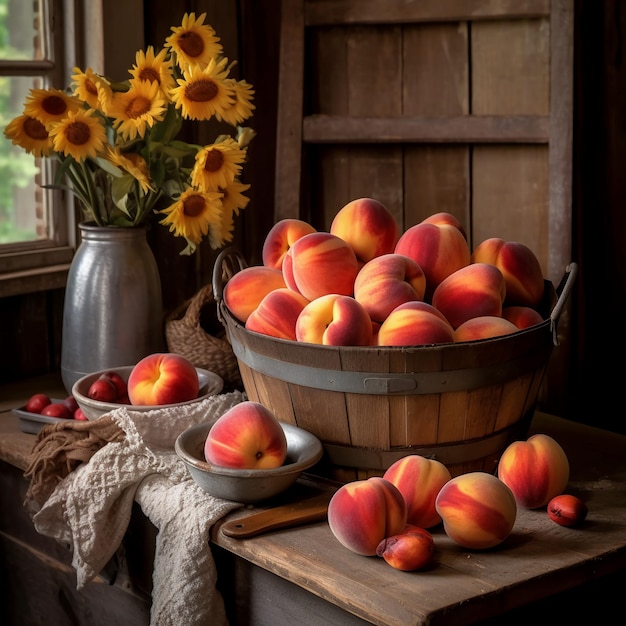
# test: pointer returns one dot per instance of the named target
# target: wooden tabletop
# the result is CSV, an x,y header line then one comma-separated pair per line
x,y
538,560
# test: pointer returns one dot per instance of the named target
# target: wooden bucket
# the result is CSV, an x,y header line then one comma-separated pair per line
x,y
459,403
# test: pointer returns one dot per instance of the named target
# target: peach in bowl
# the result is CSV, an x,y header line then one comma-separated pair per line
x,y
165,382
245,485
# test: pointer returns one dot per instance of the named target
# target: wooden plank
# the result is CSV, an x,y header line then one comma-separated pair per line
x,y
505,203
289,120
511,68
436,84
319,12
407,129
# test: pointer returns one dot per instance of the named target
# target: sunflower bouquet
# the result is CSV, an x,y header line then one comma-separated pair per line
x,y
117,146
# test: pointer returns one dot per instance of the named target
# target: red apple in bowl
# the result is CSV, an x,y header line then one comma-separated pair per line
x,y
37,402
57,409
247,436
163,378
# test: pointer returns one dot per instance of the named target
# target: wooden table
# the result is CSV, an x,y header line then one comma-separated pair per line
x,y
303,575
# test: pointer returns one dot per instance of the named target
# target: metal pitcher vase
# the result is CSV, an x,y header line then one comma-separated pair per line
x,y
113,311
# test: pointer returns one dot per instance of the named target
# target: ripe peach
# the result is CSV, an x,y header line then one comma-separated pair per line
x,y
536,470
162,378
280,238
322,263
444,217
522,316
477,509
334,320
567,510
439,249
408,551
387,281
243,292
419,480
519,266
367,226
484,327
362,513
37,402
471,291
277,313
247,436
415,323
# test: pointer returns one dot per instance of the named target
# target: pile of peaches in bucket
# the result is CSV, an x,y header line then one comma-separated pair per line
x,y
363,283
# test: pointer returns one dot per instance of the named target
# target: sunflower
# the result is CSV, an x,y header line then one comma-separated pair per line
x,y
30,134
136,110
194,215
154,68
234,200
203,93
80,135
217,165
90,87
132,163
50,105
242,107
193,43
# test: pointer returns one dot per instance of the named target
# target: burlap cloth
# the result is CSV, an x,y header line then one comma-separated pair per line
x,y
84,478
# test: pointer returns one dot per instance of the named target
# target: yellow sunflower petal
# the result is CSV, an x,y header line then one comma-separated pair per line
x,y
204,93
192,215
88,86
132,163
50,105
30,134
194,43
80,135
242,106
217,165
138,109
154,68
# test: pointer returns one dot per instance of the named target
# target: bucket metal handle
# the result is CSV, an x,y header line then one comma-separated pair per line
x,y
564,289
228,262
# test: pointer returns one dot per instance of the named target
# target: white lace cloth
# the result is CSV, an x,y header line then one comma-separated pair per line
x,y
90,510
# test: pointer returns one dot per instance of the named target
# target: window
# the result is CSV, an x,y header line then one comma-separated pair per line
x,y
38,48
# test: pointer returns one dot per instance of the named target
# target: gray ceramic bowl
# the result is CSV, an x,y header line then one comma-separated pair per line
x,y
210,384
248,485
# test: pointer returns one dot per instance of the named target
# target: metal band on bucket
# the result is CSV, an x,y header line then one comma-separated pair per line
x,y
389,383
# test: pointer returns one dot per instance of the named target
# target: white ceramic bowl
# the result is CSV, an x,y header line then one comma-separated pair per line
x,y
210,385
248,486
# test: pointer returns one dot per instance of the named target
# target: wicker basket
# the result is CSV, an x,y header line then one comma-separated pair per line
x,y
459,403
186,336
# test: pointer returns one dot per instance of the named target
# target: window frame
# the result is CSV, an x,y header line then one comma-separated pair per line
x,y
26,267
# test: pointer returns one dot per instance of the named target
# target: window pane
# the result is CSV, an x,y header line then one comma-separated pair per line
x,y
23,215
20,36
22,212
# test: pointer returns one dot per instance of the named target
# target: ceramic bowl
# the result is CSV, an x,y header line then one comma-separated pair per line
x,y
210,384
248,486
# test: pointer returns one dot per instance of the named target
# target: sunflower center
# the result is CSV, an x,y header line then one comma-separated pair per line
x,y
35,129
201,91
137,107
149,74
54,105
90,87
78,133
191,44
193,205
214,160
